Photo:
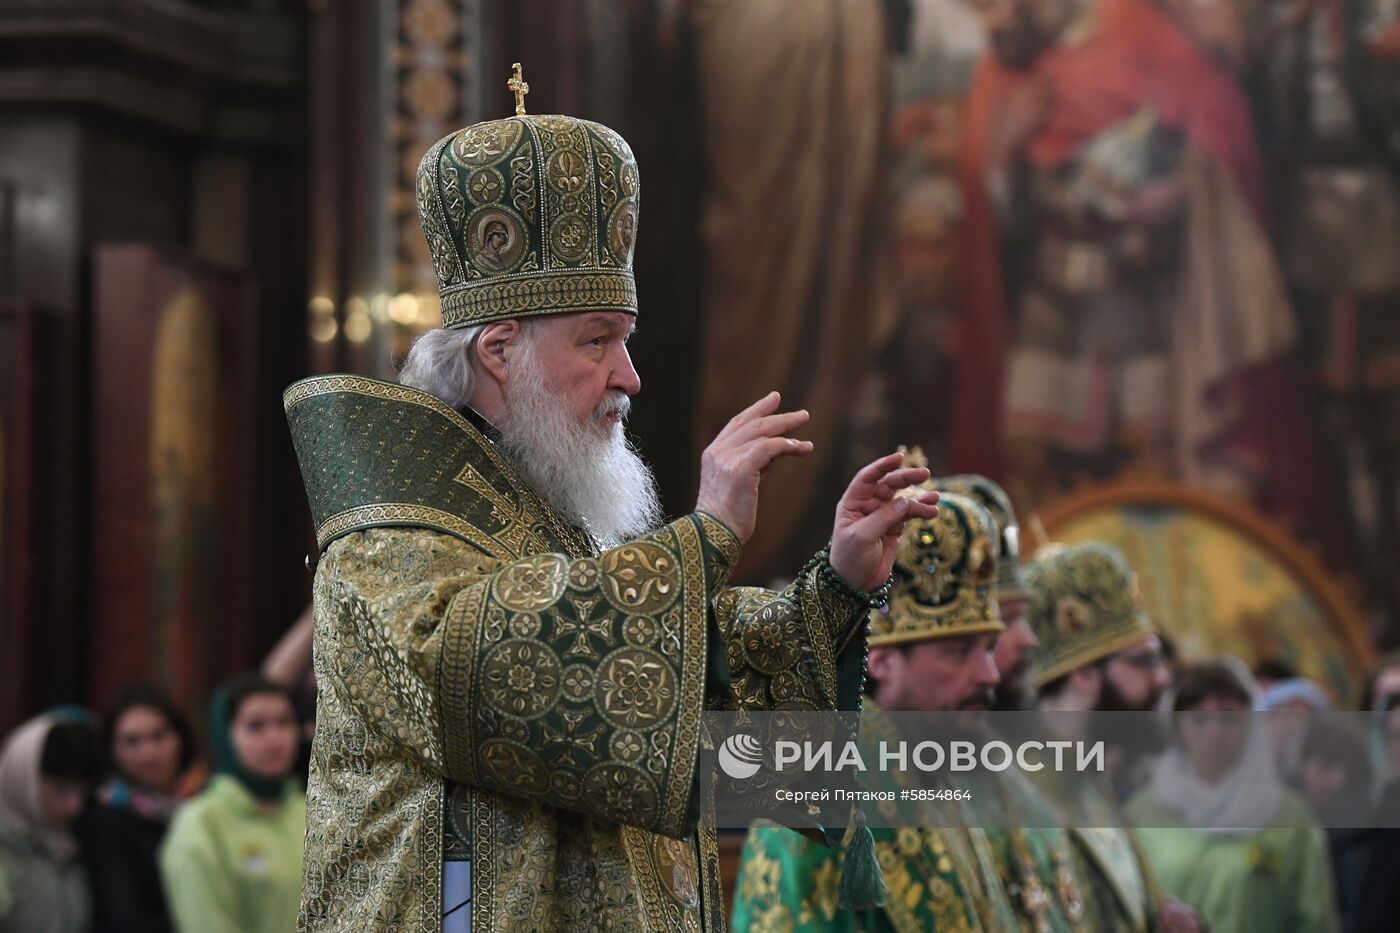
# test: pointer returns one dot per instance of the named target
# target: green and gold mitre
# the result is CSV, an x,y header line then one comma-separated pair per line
x,y
1083,605
994,499
944,575
530,215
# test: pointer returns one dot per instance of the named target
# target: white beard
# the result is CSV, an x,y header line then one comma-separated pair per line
x,y
590,472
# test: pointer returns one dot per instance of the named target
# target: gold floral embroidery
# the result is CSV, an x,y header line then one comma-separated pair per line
x,y
469,633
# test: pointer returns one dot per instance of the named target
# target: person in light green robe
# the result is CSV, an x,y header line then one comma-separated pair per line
x,y
232,860
1218,827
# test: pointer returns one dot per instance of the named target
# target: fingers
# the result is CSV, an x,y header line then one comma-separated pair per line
x,y
764,406
900,479
889,518
883,520
886,470
873,472
759,454
922,508
774,425
879,482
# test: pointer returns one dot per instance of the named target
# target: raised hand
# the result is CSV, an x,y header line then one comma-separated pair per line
x,y
733,464
870,519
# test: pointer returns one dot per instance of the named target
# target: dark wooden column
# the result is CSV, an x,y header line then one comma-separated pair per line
x,y
180,127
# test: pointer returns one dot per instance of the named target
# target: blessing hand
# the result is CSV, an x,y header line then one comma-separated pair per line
x,y
870,520
735,461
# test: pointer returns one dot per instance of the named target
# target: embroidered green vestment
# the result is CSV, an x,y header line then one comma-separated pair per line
x,y
941,878
491,683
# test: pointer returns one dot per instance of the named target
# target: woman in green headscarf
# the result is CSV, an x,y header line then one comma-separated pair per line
x,y
232,860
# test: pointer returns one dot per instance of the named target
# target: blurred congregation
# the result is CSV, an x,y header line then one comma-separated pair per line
x,y
1136,261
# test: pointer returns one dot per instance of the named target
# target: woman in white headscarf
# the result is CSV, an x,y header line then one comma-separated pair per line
x,y
1218,827
47,769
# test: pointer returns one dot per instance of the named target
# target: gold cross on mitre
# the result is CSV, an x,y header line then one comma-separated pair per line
x,y
518,85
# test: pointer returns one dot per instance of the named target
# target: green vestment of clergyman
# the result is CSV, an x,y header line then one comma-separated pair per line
x,y
491,682
941,877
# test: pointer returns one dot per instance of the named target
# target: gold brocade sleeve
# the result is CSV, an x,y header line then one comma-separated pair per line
x,y
574,682
784,650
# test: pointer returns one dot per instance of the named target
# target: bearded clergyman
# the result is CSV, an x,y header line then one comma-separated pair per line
x,y
512,650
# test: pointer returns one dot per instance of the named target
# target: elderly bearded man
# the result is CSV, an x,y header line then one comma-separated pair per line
x,y
512,652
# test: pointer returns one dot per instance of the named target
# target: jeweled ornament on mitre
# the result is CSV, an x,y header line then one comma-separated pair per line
x,y
944,574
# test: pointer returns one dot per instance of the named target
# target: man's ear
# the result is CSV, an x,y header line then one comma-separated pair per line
x,y
494,349
880,665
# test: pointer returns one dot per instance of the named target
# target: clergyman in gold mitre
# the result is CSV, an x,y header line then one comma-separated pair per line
x,y
930,650
1014,646
513,650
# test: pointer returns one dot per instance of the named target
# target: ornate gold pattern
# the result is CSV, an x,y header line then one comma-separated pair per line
x,y
485,186
1083,605
522,181
994,499
486,143
639,578
522,678
527,295
563,242
533,583
314,386
943,577
391,514
504,670
431,48
636,689
440,248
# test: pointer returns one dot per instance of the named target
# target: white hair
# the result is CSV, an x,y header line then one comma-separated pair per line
x,y
439,363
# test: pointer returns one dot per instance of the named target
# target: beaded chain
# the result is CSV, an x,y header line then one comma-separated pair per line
x,y
863,888
820,564
873,599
